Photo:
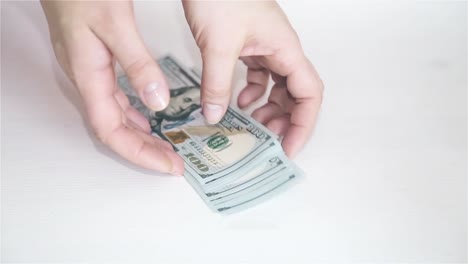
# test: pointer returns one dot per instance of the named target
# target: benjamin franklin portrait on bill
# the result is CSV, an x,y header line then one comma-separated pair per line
x,y
183,102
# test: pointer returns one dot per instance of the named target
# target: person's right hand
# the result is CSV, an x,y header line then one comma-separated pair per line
x,y
87,37
258,33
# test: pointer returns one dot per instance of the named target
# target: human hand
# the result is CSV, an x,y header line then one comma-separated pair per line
x,y
87,38
260,35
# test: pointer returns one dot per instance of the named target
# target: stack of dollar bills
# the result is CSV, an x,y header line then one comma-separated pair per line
x,y
232,165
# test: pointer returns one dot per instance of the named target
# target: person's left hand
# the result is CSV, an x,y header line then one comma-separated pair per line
x,y
88,37
260,35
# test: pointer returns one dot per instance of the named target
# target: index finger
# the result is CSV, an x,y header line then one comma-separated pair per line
x,y
306,87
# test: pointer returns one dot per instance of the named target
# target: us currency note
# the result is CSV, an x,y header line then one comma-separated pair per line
x,y
259,195
233,164
211,152
264,169
261,174
265,183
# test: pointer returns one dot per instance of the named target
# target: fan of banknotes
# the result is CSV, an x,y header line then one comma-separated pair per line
x,y
232,165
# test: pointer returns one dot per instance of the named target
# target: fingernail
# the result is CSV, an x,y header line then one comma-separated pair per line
x,y
153,97
213,113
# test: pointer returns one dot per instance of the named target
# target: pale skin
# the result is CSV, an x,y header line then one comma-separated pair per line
x,y
89,37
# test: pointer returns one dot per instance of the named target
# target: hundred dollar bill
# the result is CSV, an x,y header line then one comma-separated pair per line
x,y
232,165
266,168
261,193
261,174
211,152
263,183
256,194
258,197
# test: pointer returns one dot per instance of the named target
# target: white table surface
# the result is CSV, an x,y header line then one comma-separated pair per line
x,y
386,170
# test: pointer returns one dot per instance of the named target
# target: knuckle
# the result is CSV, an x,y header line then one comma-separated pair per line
x,y
289,62
318,89
213,93
256,114
137,67
217,49
104,24
108,20
138,150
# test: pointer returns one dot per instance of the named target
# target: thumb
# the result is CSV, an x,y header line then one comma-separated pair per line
x,y
143,72
218,68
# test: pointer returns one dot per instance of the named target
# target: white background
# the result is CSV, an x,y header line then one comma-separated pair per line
x,y
385,170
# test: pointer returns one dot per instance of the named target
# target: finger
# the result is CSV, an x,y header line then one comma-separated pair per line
x,y
252,62
278,79
148,138
106,118
257,82
280,96
133,147
127,46
164,144
139,122
121,98
306,87
157,142
95,78
137,118
279,125
218,68
134,125
267,112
